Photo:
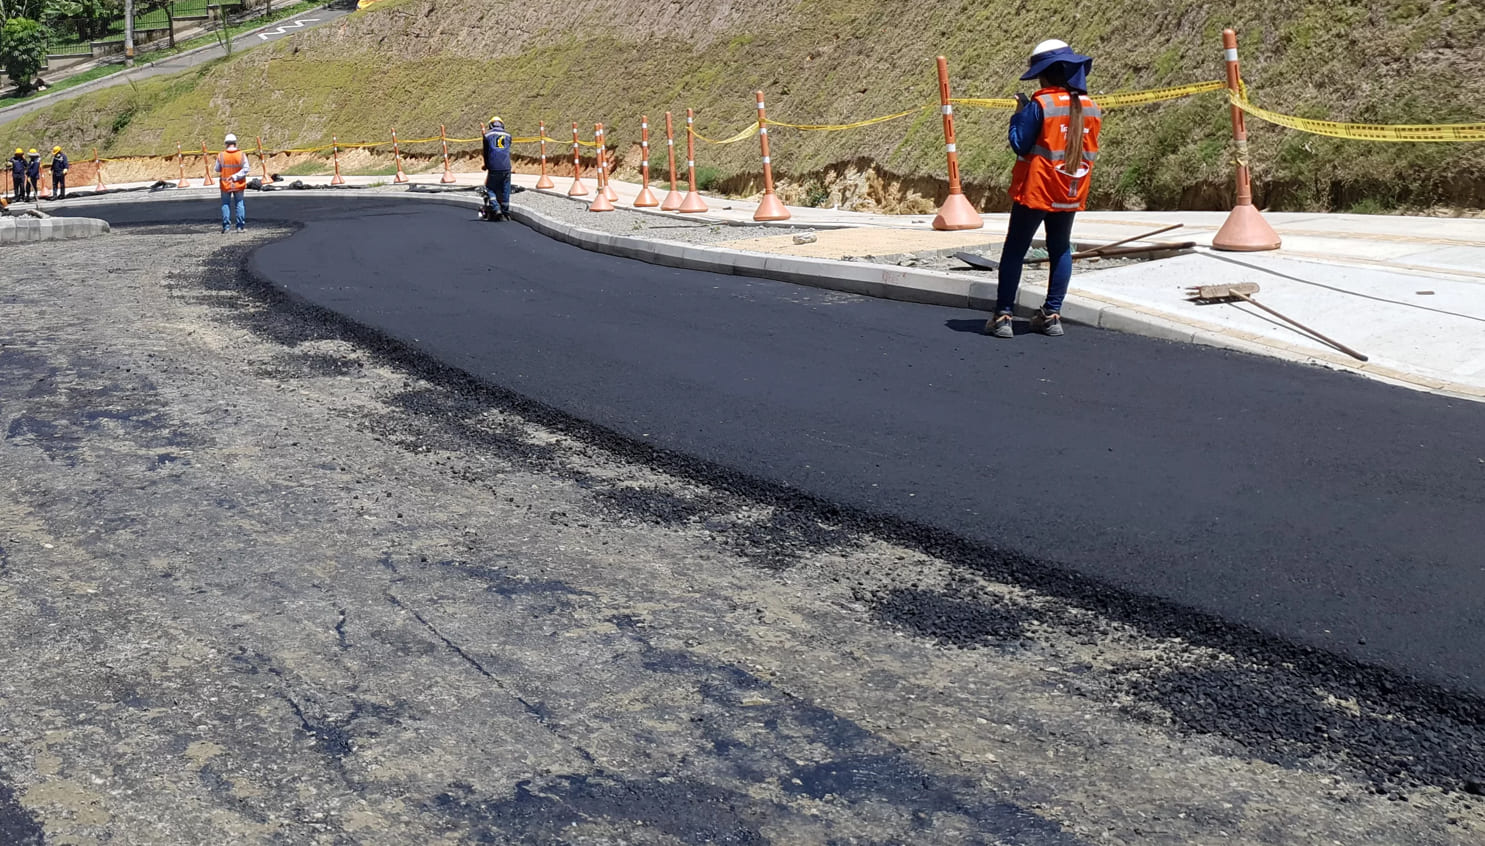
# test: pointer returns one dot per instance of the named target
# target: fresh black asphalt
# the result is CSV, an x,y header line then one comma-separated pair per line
x,y
1318,507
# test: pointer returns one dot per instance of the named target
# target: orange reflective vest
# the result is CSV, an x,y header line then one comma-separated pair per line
x,y
233,165
1040,179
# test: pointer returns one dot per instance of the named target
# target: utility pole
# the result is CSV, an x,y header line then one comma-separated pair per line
x,y
128,33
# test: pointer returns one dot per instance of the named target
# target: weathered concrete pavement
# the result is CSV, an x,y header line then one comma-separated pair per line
x,y
267,578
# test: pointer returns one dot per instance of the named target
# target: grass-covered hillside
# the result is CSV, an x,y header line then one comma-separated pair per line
x,y
418,63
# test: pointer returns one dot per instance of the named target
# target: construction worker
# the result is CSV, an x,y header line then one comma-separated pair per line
x,y
497,169
232,169
1055,136
59,174
33,174
18,176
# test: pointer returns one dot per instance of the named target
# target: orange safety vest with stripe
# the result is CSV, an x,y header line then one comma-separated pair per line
x,y
233,165
1041,179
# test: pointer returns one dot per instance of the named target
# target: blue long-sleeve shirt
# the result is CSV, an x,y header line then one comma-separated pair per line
x,y
1026,127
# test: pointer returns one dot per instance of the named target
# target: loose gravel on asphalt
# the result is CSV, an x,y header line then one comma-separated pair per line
x,y
268,577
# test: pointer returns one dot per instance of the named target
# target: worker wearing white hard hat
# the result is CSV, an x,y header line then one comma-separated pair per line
x,y
1054,134
233,168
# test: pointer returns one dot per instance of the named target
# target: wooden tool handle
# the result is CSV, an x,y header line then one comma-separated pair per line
x,y
1334,343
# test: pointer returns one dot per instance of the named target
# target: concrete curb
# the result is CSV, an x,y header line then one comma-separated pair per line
x,y
923,286
16,230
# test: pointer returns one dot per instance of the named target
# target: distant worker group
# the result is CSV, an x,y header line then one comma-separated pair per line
x,y
25,174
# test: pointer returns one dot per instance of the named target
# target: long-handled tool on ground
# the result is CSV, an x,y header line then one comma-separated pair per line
x,y
1243,291
1105,251
1096,252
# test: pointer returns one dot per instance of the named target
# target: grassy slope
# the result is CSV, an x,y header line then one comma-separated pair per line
x,y
419,63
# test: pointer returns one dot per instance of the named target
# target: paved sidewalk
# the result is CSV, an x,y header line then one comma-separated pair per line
x,y
1409,292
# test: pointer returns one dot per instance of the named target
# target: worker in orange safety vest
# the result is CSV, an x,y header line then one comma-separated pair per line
x,y
232,169
1055,136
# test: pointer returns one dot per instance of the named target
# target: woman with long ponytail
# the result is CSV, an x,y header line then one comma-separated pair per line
x,y
1055,136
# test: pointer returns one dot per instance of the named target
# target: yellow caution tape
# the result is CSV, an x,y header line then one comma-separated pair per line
x,y
1155,95
1114,100
741,136
1364,131
836,127
985,103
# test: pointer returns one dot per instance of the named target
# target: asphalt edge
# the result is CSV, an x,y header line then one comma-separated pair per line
x,y
926,287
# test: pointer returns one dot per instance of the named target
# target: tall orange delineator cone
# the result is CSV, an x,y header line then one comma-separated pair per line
x,y
180,165
770,207
601,202
335,156
545,182
646,198
209,181
673,197
577,189
957,212
448,175
397,156
693,203
1245,229
98,166
262,162
606,183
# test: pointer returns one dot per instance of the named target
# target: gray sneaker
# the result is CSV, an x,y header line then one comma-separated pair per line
x,y
999,326
1047,322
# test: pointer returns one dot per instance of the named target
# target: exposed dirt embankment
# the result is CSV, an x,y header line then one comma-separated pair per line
x,y
422,64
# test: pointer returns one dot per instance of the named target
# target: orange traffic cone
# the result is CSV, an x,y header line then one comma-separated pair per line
x,y
180,166
448,175
957,212
397,155
98,165
577,189
262,162
545,182
335,156
1245,229
769,207
693,203
673,197
208,182
646,198
601,201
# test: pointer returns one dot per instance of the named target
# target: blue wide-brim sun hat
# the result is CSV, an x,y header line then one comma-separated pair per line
x,y
1051,53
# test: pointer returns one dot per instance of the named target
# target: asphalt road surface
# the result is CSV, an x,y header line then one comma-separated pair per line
x,y
1316,507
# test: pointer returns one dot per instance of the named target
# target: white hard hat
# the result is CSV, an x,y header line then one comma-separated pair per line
x,y
231,139
1048,46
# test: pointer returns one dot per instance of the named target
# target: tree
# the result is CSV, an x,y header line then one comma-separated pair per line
x,y
91,18
23,51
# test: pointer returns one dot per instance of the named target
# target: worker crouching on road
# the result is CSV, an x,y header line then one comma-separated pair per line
x,y
59,174
232,167
497,168
18,176
1055,136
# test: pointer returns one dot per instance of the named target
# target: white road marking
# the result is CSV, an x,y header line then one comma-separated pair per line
x,y
283,30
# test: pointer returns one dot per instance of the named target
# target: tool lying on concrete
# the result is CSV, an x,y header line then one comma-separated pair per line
x,y
1105,251
1243,291
1098,252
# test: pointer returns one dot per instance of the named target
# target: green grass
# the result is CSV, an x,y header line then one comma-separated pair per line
x,y
156,55
835,61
